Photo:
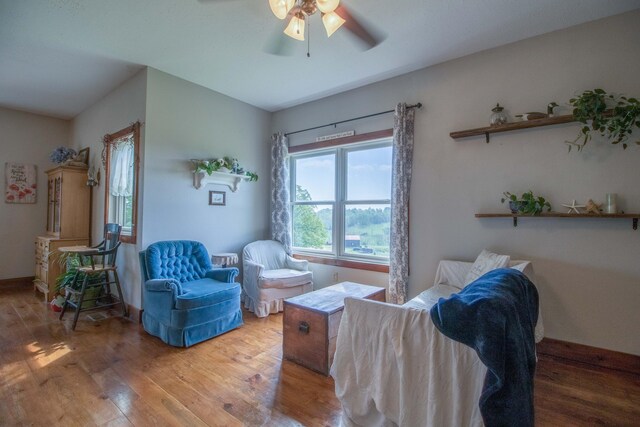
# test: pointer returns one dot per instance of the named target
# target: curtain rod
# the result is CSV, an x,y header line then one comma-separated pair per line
x,y
418,105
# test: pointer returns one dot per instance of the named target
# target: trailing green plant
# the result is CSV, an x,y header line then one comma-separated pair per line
x,y
612,116
214,165
71,263
527,204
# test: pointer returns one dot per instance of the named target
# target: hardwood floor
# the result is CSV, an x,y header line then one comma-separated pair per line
x,y
111,373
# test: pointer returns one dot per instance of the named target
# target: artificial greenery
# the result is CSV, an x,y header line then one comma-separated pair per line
x,y
71,262
231,164
613,116
527,204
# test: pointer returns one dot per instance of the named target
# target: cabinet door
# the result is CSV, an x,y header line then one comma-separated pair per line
x,y
57,190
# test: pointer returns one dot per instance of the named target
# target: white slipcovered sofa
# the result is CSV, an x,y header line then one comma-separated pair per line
x,y
392,367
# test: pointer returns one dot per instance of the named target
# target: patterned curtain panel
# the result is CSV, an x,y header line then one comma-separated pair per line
x,y
400,187
280,201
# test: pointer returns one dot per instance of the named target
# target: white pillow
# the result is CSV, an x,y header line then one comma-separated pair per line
x,y
486,262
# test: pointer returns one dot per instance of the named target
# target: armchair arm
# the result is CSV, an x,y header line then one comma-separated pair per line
x,y
250,277
159,298
226,275
452,273
297,264
252,270
163,285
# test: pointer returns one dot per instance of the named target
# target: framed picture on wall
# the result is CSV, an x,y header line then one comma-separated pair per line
x,y
217,198
83,156
20,183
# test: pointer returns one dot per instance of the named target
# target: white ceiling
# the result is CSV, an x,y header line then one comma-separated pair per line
x,y
57,57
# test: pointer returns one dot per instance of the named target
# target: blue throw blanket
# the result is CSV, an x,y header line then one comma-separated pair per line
x,y
496,316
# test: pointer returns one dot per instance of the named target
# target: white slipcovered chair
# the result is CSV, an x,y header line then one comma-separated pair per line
x,y
392,366
270,276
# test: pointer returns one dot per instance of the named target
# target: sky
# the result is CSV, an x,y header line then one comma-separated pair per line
x,y
368,175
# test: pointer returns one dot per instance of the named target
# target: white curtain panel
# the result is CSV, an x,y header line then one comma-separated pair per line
x,y
400,188
280,201
122,169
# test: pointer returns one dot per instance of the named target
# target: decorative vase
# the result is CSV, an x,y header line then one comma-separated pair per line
x,y
611,206
515,206
499,117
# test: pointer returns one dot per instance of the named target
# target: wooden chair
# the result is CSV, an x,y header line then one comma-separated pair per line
x,y
97,264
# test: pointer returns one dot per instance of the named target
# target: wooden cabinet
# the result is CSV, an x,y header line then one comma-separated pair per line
x,y
311,321
68,203
68,223
48,266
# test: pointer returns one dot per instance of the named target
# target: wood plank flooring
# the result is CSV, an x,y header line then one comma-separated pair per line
x,y
111,373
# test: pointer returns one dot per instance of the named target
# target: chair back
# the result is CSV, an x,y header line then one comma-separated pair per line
x,y
182,260
111,234
142,257
269,253
100,259
111,239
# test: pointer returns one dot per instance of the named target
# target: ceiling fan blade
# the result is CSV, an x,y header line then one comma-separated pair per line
x,y
279,44
365,32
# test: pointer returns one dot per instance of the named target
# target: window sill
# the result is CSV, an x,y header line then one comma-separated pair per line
x,y
358,265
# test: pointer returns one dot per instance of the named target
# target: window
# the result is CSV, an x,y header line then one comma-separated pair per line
x,y
341,201
121,159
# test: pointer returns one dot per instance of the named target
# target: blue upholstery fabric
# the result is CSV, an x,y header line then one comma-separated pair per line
x,y
185,300
182,260
205,292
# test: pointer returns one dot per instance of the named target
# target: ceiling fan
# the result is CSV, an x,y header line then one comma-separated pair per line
x,y
334,15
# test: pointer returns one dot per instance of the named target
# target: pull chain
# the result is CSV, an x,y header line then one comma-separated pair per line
x,y
308,38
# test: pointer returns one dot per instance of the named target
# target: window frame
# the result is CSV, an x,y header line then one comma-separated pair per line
x,y
108,140
338,256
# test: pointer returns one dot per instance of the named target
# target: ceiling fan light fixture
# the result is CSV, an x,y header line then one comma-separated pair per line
x,y
281,8
327,6
295,29
332,21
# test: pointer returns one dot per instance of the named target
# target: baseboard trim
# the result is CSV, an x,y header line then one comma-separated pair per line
x,y
135,314
595,356
17,282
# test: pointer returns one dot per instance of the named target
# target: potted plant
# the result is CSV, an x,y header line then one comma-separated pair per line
x,y
225,165
65,280
527,204
612,116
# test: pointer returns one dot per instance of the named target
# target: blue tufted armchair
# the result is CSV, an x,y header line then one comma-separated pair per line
x,y
185,299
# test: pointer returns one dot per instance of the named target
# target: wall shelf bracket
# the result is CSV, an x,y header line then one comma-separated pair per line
x,y
231,180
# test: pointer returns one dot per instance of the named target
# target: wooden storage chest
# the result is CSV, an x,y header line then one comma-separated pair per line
x,y
311,322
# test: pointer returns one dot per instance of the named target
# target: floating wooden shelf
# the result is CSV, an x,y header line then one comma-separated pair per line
x,y
633,216
486,131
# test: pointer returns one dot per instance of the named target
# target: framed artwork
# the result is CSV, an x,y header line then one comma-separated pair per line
x,y
217,198
83,156
20,183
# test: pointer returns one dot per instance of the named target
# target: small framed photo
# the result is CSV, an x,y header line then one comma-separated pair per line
x,y
217,198
83,156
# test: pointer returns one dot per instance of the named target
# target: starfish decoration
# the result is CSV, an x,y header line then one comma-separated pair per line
x,y
573,207
593,207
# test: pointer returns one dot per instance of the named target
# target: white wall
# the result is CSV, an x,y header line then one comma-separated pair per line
x,y
187,121
26,138
588,270
120,108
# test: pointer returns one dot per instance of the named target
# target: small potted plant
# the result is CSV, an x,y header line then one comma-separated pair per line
x,y
527,204
612,116
225,165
